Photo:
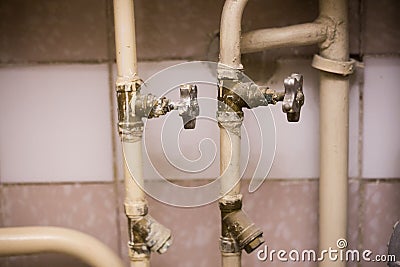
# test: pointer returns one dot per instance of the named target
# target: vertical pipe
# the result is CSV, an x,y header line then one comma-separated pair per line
x,y
231,29
230,55
230,161
334,122
16,241
125,44
125,38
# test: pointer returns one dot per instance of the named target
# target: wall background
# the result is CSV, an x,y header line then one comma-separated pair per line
x,y
60,155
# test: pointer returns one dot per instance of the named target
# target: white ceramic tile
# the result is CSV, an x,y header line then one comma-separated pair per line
x,y
55,124
381,133
297,144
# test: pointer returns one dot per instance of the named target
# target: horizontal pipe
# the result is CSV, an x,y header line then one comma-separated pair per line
x,y
16,241
296,35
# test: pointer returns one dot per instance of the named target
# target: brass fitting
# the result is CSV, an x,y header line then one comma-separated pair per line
x,y
236,91
146,234
238,231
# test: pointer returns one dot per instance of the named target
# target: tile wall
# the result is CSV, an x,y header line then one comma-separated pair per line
x,y
60,157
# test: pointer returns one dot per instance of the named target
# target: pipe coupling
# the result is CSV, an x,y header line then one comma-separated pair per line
x,y
146,234
130,127
238,231
136,209
231,121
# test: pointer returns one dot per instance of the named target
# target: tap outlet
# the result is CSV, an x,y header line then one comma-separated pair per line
x,y
188,107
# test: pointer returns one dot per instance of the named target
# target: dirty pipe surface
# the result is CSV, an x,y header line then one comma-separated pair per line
x,y
230,55
334,131
16,241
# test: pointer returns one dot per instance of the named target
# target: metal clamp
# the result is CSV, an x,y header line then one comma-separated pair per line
x,y
333,66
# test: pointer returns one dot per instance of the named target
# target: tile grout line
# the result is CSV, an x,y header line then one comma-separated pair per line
x,y
109,26
361,188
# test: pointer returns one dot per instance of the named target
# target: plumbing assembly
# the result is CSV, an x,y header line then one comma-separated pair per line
x,y
238,232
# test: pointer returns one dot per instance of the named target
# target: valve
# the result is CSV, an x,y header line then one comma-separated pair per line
x,y
188,107
294,97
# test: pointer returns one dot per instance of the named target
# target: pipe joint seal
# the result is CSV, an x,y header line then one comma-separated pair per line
x,y
333,66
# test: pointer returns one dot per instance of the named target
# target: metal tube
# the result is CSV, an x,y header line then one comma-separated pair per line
x,y
230,162
296,35
31,240
231,28
133,156
125,38
334,123
125,43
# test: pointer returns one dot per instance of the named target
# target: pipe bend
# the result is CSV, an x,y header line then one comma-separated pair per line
x,y
32,240
231,20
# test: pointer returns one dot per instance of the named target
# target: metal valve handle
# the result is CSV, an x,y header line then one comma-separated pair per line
x,y
189,107
294,97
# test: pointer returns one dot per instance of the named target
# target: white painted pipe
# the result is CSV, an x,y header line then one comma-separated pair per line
x,y
125,43
334,132
230,55
16,241
133,183
296,35
125,38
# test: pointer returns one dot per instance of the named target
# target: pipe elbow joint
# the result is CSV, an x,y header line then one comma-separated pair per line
x,y
238,231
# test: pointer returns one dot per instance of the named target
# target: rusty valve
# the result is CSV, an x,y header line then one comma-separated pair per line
x,y
294,97
188,106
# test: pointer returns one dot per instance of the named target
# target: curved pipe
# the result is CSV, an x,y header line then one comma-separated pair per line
x,y
296,35
31,240
231,28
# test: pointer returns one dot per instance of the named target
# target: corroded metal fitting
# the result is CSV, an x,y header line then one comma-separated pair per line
x,y
130,127
146,234
238,231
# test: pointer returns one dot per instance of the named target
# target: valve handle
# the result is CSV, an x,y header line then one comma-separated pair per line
x,y
294,97
189,107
